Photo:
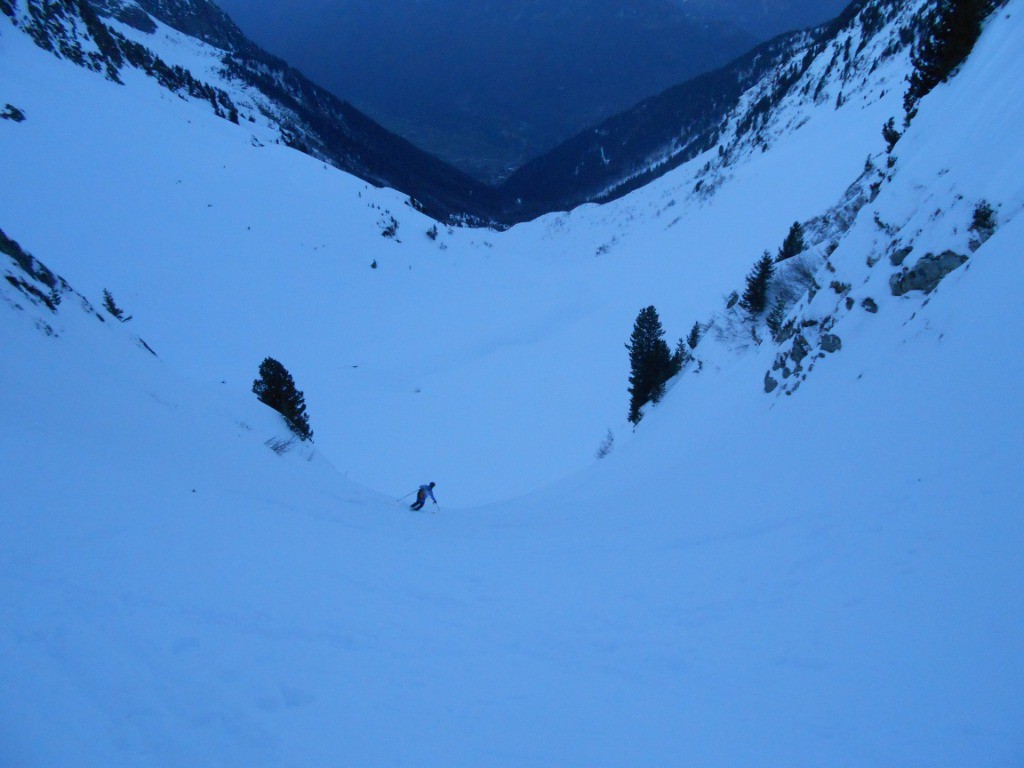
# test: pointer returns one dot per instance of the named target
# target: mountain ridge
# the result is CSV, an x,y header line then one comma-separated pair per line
x,y
487,85
643,143
823,574
308,118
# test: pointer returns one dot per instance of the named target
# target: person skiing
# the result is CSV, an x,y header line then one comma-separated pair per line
x,y
421,497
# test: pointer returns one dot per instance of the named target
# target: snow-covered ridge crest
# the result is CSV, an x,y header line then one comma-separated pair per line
x,y
166,40
864,58
72,30
731,112
908,221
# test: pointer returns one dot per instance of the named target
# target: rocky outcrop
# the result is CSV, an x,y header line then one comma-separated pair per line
x,y
831,343
926,274
811,342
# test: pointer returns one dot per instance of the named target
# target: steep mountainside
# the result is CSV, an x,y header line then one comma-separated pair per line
x,y
304,115
204,56
602,163
722,111
809,552
489,84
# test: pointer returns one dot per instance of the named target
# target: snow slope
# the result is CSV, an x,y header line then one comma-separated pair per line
x,y
458,365
827,578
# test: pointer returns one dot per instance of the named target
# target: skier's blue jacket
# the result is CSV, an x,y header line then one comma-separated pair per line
x,y
426,490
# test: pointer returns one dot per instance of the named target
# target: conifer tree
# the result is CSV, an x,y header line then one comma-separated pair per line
x,y
890,134
276,388
775,318
755,297
680,357
793,244
694,338
111,306
650,362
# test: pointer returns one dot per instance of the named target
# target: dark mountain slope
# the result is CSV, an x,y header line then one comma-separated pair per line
x,y
488,84
602,163
662,132
310,118
323,124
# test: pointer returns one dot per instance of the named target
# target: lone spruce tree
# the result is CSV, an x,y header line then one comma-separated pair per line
x,y
650,362
694,338
276,388
755,297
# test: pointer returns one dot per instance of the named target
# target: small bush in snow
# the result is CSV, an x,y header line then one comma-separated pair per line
x,y
890,134
11,112
775,319
797,277
840,288
983,224
606,445
389,228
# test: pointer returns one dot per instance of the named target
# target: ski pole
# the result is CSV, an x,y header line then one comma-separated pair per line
x,y
407,495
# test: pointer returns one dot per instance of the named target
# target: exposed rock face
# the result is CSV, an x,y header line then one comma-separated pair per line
x,y
831,343
770,384
926,274
897,257
800,349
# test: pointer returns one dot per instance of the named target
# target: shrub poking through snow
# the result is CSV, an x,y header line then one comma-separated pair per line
x,y
983,224
890,134
775,319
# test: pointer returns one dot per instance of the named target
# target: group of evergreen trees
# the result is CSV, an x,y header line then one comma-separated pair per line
x,y
650,361
756,292
945,43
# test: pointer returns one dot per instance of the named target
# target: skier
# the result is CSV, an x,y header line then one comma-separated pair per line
x,y
421,497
